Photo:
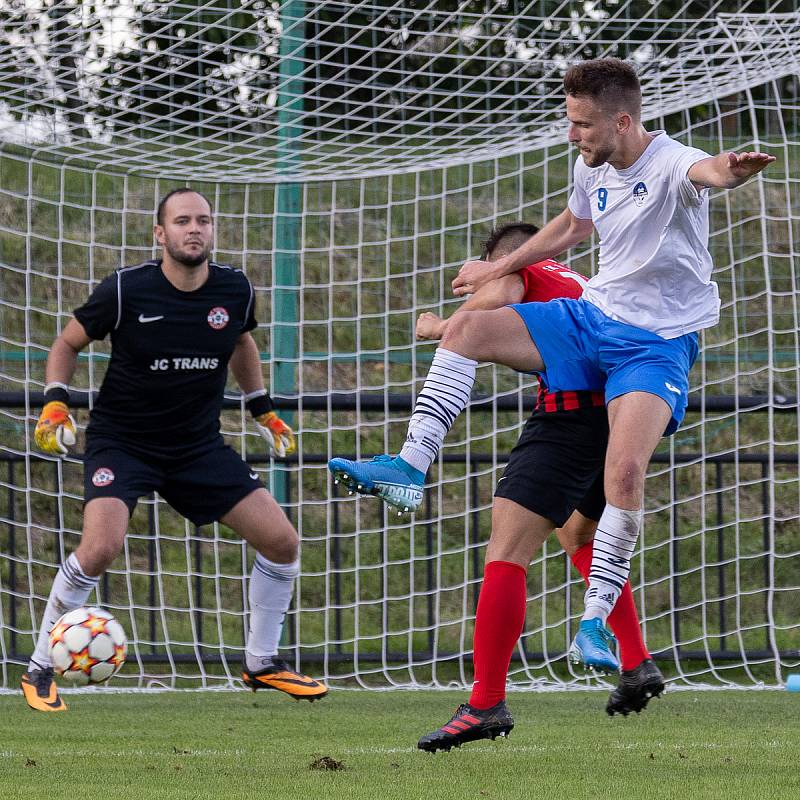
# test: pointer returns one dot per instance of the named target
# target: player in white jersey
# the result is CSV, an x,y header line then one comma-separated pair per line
x,y
633,334
635,327
654,268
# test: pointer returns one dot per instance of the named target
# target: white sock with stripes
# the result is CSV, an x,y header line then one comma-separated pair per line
x,y
444,396
271,587
71,588
614,543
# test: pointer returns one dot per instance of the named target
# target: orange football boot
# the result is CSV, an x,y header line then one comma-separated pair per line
x,y
40,690
280,676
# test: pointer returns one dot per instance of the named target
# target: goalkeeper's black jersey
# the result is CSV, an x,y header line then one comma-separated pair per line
x,y
165,383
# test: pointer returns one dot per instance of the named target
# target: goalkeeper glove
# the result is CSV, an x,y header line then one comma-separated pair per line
x,y
55,430
278,435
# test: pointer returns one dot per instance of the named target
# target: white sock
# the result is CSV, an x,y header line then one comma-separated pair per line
x,y
614,543
444,396
271,587
71,588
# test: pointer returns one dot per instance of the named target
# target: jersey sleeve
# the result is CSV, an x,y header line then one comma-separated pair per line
x,y
100,314
528,283
250,321
578,202
685,158
548,280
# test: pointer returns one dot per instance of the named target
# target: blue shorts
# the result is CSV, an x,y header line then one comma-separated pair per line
x,y
582,348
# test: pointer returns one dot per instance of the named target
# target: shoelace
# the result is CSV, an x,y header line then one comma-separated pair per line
x,y
599,637
387,459
43,679
462,709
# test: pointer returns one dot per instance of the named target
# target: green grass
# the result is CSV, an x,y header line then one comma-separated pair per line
x,y
736,745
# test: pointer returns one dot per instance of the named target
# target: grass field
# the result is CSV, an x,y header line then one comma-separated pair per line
x,y
688,745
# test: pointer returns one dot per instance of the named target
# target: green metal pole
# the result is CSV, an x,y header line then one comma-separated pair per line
x,y
288,210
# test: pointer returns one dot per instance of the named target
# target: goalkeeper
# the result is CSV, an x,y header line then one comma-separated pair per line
x,y
176,324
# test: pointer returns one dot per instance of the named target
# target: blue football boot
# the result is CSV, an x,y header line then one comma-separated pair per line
x,y
592,647
395,481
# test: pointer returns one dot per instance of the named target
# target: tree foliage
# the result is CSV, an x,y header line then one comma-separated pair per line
x,y
116,67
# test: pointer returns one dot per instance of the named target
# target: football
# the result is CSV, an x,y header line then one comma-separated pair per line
x,y
87,645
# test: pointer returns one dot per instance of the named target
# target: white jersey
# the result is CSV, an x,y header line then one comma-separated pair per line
x,y
654,268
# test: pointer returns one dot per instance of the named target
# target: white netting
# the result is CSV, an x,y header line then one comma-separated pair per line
x,y
405,133
252,90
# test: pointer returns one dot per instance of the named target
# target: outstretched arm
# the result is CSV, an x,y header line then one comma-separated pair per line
x,y
561,233
496,294
728,170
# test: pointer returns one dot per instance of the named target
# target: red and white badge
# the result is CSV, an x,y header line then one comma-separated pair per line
x,y
103,477
218,318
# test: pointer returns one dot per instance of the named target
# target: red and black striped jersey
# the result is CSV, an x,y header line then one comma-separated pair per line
x,y
549,280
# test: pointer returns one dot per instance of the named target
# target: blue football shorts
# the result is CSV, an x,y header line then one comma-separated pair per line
x,y
582,348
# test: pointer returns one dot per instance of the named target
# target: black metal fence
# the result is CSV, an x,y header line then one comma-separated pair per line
x,y
14,467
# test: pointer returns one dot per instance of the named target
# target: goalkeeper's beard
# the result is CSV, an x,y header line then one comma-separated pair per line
x,y
187,259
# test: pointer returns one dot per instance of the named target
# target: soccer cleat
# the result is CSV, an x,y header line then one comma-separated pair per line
x,y
396,482
592,647
468,725
40,690
635,688
281,677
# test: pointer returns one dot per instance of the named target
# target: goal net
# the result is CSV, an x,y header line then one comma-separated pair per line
x,y
355,155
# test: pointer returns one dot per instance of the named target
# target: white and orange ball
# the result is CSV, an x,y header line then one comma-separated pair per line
x,y
87,645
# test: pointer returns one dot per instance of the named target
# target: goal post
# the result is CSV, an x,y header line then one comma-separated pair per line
x,y
355,155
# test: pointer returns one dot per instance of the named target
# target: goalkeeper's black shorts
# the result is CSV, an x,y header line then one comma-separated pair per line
x,y
557,464
202,487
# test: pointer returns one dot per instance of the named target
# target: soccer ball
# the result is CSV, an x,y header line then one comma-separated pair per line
x,y
87,645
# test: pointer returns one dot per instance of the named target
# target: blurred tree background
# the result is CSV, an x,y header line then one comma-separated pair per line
x,y
75,69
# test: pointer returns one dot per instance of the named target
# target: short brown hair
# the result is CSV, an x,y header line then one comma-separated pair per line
x,y
611,82
507,238
162,205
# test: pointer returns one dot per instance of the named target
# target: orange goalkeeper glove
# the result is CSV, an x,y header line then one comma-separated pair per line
x,y
55,430
278,435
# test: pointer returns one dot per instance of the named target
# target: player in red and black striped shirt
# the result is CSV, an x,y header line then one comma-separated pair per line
x,y
553,480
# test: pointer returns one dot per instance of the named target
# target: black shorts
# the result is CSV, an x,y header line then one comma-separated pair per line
x,y
557,464
203,487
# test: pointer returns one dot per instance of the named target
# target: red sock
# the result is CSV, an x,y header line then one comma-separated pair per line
x,y
623,620
498,626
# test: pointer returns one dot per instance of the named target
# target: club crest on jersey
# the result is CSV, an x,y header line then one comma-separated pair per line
x,y
218,318
103,477
639,193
